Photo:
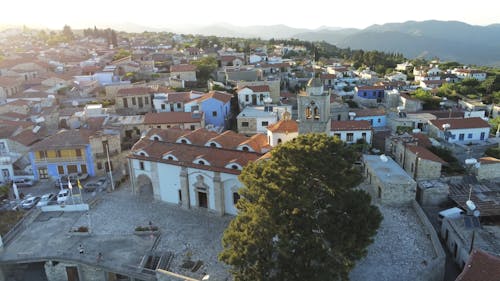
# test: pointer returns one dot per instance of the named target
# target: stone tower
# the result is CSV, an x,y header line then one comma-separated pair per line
x,y
314,108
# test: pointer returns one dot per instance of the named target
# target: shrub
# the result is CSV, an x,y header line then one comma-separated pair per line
x,y
493,152
82,229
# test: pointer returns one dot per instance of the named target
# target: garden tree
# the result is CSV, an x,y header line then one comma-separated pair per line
x,y
205,67
300,216
122,53
68,33
430,101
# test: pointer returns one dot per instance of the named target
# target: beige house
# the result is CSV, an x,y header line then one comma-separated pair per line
x,y
186,72
102,144
134,100
183,120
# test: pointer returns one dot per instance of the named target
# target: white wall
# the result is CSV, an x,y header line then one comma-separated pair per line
x,y
284,137
476,134
270,120
169,179
356,135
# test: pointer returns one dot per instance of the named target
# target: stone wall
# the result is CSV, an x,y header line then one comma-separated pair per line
x,y
56,271
488,171
252,125
435,268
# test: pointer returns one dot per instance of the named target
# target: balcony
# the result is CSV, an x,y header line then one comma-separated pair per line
x,y
59,159
102,155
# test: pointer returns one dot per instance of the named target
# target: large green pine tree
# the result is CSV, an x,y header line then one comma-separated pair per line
x,y
300,216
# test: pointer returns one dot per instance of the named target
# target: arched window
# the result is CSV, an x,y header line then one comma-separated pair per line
x,y
279,141
201,162
212,144
170,158
183,141
156,138
244,148
308,112
235,167
236,197
316,113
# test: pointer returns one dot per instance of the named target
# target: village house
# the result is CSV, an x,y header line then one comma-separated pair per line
x,y
329,80
253,95
351,131
185,72
193,169
183,120
136,100
463,130
272,84
67,151
463,73
282,131
369,94
216,107
174,101
253,120
103,144
376,117
396,76
409,103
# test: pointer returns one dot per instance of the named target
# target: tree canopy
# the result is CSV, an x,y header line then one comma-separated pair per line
x,y
300,217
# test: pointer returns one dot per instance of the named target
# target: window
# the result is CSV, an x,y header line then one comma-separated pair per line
x,y
125,102
183,141
214,113
42,154
236,197
156,138
461,137
58,153
350,137
133,101
146,100
265,123
212,144
43,173
234,167
78,152
339,117
201,162
179,105
363,135
60,170
99,166
139,99
245,148
482,135
378,120
279,141
308,112
364,94
170,158
411,168
337,135
83,168
141,165
247,98
163,106
316,113
192,127
180,195
261,97
244,124
470,136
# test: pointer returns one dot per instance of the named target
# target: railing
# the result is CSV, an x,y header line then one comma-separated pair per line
x,y
59,159
26,220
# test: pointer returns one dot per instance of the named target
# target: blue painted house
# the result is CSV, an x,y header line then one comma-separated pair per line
x,y
217,107
65,152
376,117
370,92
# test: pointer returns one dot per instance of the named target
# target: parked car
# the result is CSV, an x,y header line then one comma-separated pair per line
x,y
23,182
80,176
98,185
62,196
47,199
62,182
29,202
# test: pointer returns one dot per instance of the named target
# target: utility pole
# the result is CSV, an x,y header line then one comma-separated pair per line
x,y
109,167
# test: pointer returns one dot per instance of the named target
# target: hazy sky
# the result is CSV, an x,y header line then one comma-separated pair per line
x,y
295,13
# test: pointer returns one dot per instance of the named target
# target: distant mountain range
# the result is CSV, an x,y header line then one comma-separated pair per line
x,y
447,40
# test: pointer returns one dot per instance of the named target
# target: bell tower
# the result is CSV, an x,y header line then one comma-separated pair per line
x,y
314,108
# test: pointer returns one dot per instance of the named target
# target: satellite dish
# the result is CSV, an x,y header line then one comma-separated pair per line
x,y
476,213
470,205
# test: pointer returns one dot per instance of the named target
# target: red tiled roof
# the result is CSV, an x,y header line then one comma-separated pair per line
x,y
489,160
284,126
257,88
182,68
369,88
90,69
178,97
422,139
9,82
327,76
463,123
220,96
64,139
257,142
218,158
199,136
134,91
27,137
13,115
171,118
229,139
350,125
424,153
369,112
230,58
481,266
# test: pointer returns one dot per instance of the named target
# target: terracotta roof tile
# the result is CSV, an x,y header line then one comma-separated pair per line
x,y
64,139
284,126
134,91
28,138
350,125
220,96
182,68
369,112
424,153
9,82
199,136
171,118
257,142
463,123
325,76
229,139
168,135
258,88
481,266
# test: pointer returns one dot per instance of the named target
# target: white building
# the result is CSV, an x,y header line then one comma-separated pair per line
x,y
253,95
463,73
352,130
193,169
396,76
252,120
462,130
282,131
